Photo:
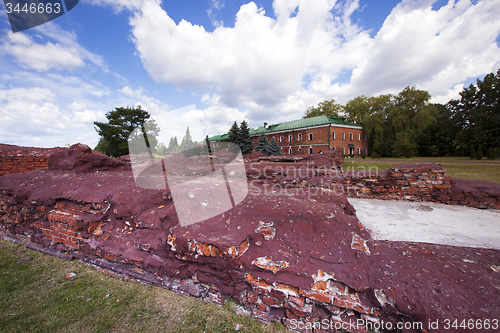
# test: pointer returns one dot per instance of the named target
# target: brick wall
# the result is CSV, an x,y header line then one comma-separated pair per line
x,y
16,159
412,182
64,224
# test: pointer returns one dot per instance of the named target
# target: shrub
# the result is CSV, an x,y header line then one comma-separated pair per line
x,y
479,154
472,154
375,155
363,155
493,153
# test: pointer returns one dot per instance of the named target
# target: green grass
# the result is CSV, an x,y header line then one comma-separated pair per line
x,y
468,170
36,297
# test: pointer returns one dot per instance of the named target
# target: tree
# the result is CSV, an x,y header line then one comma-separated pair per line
x,y
472,154
173,145
122,122
161,149
262,144
479,154
234,137
325,108
246,144
477,114
187,142
274,148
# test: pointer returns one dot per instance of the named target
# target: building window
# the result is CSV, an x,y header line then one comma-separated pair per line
x,y
310,150
300,148
365,137
364,149
343,150
281,139
350,136
333,135
357,149
310,136
343,136
299,137
359,137
290,151
290,138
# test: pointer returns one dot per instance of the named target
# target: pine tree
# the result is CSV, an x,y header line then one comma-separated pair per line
x,y
187,142
274,148
173,145
479,154
244,140
262,144
472,154
234,134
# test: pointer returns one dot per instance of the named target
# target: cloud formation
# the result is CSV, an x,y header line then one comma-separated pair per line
x,y
296,59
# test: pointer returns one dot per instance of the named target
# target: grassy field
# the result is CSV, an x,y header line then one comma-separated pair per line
x,y
459,167
35,296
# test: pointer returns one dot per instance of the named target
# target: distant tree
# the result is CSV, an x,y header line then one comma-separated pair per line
x,y
479,154
274,148
262,144
325,108
472,154
478,113
234,133
161,149
244,141
187,142
173,145
493,153
120,128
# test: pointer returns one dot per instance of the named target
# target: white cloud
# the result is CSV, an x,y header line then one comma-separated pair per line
x,y
61,53
276,67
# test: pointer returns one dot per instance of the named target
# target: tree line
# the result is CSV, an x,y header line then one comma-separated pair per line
x,y
407,124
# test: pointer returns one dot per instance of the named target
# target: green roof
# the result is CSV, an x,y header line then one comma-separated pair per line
x,y
292,125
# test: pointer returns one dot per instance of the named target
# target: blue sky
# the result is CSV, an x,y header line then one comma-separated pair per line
x,y
205,64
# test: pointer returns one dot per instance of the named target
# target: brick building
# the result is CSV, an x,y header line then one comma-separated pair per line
x,y
310,135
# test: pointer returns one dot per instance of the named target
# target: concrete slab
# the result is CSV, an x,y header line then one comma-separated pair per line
x,y
428,222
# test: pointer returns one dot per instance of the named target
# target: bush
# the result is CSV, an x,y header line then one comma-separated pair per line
x,y
479,154
363,155
472,154
493,153
375,155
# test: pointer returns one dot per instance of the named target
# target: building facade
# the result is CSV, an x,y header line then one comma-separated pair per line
x,y
311,135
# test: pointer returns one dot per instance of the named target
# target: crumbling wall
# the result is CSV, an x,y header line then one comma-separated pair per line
x,y
292,251
421,182
15,159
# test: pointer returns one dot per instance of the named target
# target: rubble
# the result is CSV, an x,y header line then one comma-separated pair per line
x,y
293,250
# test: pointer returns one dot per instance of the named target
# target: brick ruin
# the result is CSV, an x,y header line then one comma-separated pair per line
x,y
15,159
293,251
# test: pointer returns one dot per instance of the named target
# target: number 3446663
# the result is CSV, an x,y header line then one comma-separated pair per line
x,y
34,8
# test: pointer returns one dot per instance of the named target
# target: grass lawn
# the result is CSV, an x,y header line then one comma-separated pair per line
x,y
468,169
35,296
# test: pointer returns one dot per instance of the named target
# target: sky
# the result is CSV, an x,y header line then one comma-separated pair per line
x,y
208,63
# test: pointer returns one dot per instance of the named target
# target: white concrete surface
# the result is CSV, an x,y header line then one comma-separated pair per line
x,y
429,223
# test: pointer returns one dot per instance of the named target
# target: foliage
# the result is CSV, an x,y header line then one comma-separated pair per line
x,y
392,122
186,143
472,154
493,153
120,129
273,148
477,114
160,149
479,153
244,141
262,144
325,108
173,145
438,139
